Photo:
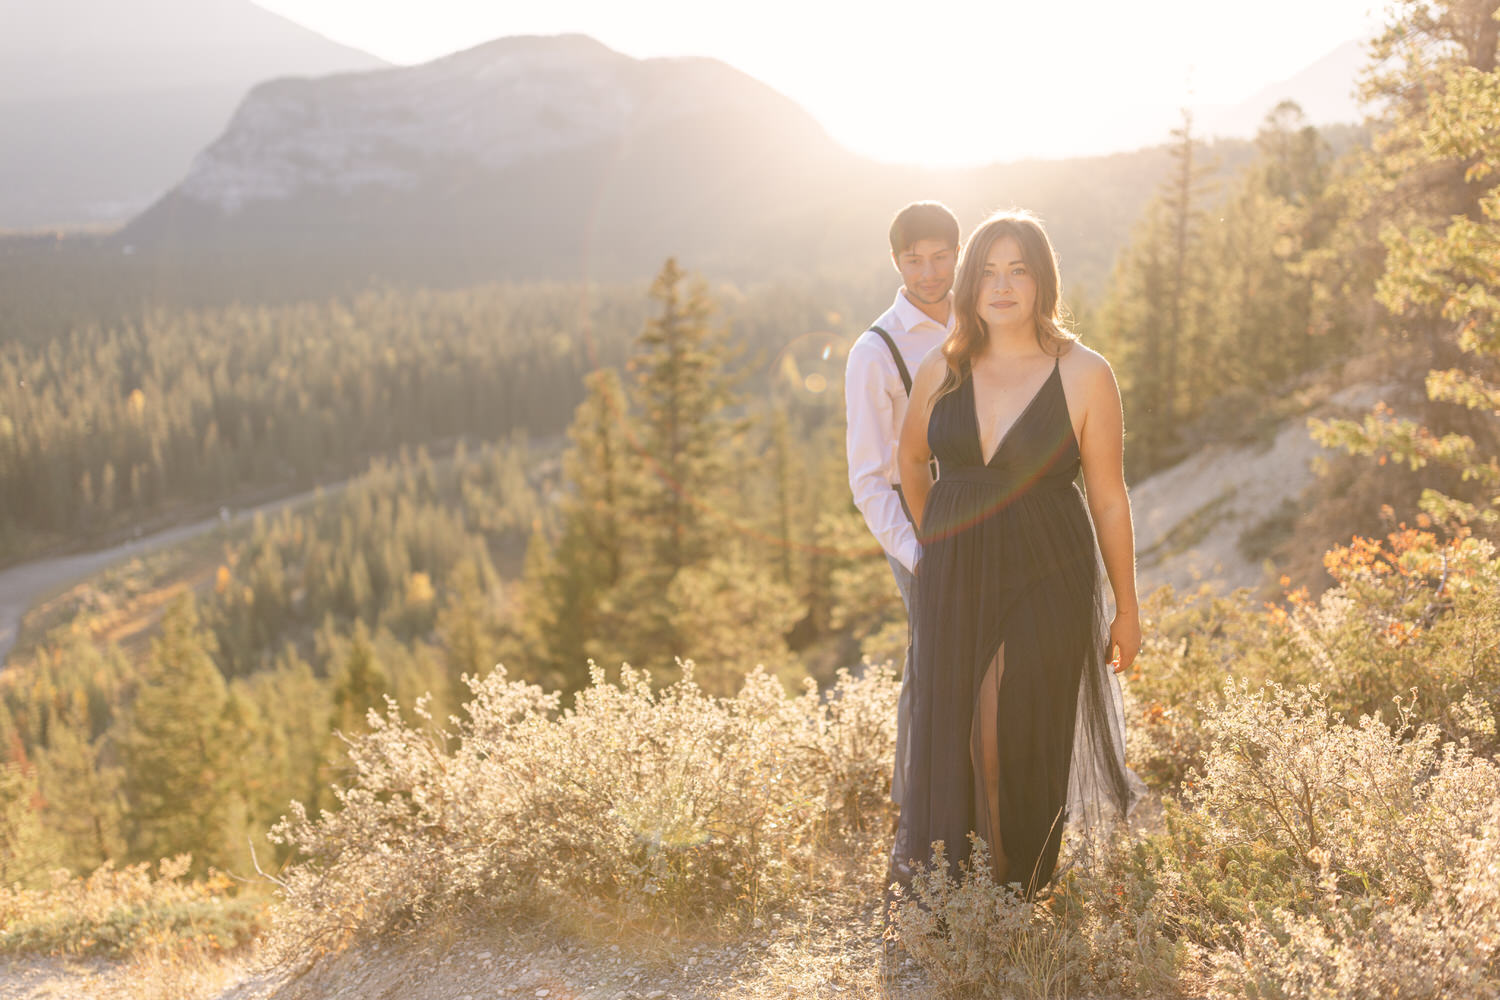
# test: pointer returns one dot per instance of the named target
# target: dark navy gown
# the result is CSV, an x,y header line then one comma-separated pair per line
x,y
1009,585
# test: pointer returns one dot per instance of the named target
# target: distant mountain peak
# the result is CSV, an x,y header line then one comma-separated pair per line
x,y
569,43
1324,90
489,107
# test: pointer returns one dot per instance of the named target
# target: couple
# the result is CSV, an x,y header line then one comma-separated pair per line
x,y
1009,721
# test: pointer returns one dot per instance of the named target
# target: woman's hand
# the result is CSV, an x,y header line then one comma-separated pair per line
x,y
1124,640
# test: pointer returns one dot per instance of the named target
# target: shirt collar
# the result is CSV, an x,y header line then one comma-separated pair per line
x,y
911,317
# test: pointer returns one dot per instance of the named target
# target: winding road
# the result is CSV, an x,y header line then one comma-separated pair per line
x,y
21,586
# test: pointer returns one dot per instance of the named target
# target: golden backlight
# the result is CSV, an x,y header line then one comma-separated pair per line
x,y
942,83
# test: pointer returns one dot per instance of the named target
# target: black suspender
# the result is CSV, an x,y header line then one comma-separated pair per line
x,y
895,354
906,381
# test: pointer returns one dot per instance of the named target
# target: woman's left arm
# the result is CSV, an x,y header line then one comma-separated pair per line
x,y
1102,447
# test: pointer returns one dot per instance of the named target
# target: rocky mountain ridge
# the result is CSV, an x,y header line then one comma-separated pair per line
x,y
489,108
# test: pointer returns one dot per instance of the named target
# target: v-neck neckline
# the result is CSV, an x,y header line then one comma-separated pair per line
x,y
978,427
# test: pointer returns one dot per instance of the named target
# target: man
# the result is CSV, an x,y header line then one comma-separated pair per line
x,y
877,382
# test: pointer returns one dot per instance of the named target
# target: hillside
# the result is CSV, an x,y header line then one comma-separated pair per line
x,y
104,104
1214,517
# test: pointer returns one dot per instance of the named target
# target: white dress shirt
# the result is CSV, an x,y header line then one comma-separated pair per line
x,y
875,401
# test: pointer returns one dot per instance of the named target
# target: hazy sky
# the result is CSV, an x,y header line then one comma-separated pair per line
x,y
932,82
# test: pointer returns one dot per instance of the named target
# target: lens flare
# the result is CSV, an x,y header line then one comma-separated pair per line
x,y
810,370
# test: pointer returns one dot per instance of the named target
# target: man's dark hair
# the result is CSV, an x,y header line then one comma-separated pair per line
x,y
923,220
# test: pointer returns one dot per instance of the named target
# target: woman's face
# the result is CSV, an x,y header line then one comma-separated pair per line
x,y
1007,288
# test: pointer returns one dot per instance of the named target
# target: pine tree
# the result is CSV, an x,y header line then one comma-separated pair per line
x,y
1186,349
1396,183
682,393
1260,306
80,794
681,511
172,744
248,799
298,707
360,684
467,628
23,854
733,613
1449,277
566,581
1293,155
1140,285
786,483
1410,67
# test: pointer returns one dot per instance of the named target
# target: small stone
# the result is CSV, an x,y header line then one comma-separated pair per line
x,y
692,961
544,993
656,994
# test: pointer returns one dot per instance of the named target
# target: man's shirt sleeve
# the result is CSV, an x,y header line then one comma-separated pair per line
x,y
871,448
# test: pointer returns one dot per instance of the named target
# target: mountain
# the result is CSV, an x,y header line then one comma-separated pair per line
x,y
524,156
556,157
103,104
1325,91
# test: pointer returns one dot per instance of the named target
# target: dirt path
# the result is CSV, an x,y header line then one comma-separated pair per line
x,y
822,958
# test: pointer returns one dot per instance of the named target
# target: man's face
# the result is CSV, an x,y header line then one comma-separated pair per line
x,y
927,270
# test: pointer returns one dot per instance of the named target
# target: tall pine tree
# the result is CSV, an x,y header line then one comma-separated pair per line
x,y
172,745
568,578
682,393
680,513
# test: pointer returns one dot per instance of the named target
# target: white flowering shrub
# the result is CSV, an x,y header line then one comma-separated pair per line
x,y
1099,927
650,802
1365,947
1376,806
1391,887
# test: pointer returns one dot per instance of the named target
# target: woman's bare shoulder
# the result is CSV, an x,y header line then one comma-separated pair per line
x,y
1084,365
1082,358
1088,377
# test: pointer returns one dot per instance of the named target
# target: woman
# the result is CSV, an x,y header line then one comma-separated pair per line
x,y
1017,725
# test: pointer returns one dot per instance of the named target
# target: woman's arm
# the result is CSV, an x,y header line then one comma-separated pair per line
x,y
1102,446
912,453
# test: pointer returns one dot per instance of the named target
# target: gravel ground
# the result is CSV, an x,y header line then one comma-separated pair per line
x,y
819,958
787,959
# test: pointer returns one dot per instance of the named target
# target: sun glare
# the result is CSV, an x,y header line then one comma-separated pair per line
x,y
936,85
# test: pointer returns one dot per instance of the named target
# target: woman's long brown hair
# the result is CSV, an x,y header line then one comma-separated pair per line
x,y
970,335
